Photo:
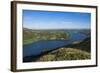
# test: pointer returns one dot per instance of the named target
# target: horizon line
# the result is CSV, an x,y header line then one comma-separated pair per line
x,y
56,29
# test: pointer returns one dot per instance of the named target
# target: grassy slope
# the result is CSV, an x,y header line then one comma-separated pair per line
x,y
65,54
85,45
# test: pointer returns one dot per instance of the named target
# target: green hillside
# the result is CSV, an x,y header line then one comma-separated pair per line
x,y
85,45
30,35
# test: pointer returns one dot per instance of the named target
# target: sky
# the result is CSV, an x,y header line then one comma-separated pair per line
x,y
56,20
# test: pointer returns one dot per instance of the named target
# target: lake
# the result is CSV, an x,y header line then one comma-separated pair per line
x,y
38,47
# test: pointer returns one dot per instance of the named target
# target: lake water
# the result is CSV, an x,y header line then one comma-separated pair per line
x,y
37,48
